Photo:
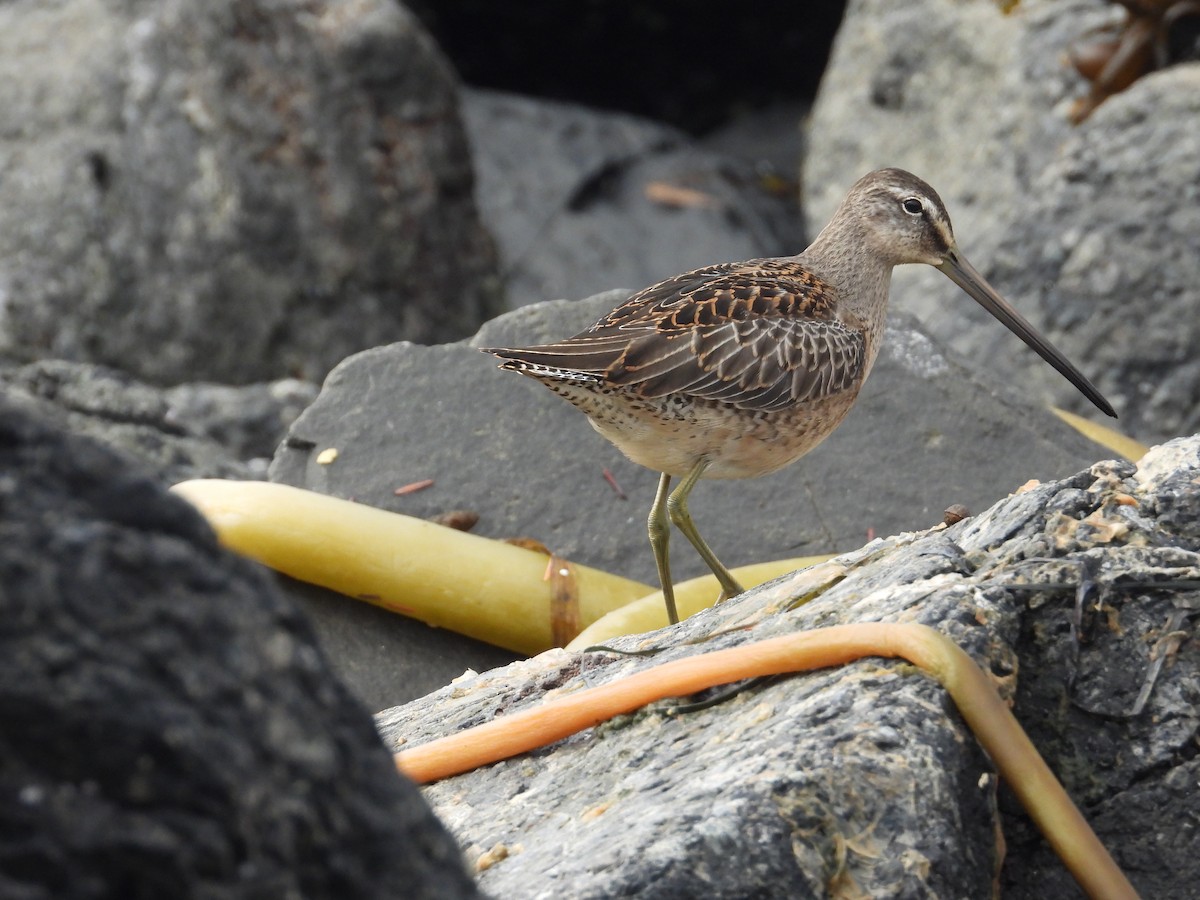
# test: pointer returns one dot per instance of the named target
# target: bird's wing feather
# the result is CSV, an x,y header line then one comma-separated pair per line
x,y
760,335
583,355
760,364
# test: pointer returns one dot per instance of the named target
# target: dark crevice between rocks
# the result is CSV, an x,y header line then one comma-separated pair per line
x,y
694,67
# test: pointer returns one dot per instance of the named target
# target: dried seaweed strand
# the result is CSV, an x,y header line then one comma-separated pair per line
x,y
985,712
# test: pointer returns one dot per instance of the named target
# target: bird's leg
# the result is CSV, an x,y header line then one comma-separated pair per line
x,y
678,510
660,542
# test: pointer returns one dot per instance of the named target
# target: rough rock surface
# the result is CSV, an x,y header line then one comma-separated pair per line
x,y
170,728
927,435
189,431
862,780
570,194
1091,230
249,420
1106,254
235,190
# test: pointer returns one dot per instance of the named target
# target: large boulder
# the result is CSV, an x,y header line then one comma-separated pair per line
x,y
234,190
1106,254
958,92
1077,596
170,727
201,430
581,200
1091,230
195,430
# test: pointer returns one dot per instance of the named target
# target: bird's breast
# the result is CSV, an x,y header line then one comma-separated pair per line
x,y
671,434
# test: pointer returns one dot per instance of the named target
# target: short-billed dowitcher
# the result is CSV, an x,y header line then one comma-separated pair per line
x,y
737,369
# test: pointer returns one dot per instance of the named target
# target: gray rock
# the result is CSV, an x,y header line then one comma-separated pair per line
x,y
1107,255
123,413
249,420
564,190
770,139
231,191
190,431
170,727
386,659
1090,231
863,777
959,93
748,799
927,435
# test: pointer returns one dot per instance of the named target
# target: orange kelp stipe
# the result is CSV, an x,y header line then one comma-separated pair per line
x,y
987,715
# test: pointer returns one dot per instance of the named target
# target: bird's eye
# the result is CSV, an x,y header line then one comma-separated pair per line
x,y
913,206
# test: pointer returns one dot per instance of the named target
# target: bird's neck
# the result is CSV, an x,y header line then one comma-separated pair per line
x,y
843,256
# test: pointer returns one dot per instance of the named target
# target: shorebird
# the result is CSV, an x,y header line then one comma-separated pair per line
x,y
736,370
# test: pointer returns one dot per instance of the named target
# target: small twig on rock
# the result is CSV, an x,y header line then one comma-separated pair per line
x,y
413,487
612,482
1163,647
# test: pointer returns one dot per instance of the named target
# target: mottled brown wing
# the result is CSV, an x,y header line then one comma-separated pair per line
x,y
759,335
593,352
759,364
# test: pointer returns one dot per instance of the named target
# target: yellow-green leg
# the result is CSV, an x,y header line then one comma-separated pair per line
x,y
678,510
660,542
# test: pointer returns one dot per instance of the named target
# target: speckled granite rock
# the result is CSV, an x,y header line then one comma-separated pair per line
x,y
863,778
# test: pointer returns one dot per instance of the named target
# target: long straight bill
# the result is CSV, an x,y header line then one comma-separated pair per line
x,y
967,277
